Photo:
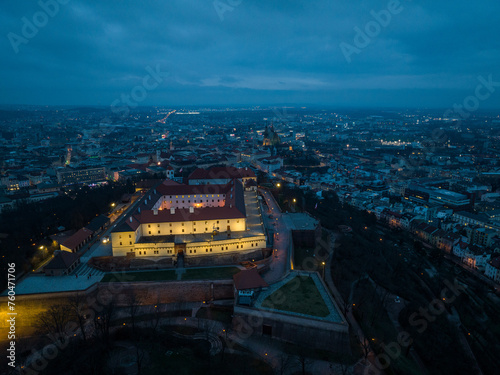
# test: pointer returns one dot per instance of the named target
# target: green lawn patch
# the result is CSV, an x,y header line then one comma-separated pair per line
x,y
216,273
163,275
299,295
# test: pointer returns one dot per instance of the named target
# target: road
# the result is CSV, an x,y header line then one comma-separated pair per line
x,y
474,272
116,220
282,237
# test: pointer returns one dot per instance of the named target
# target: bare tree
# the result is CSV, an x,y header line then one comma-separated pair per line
x,y
133,304
157,313
54,320
365,345
304,362
102,321
77,306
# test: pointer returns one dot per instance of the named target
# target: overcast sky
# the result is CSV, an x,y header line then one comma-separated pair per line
x,y
429,54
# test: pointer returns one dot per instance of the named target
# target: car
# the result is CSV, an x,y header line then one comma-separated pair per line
x,y
397,300
105,239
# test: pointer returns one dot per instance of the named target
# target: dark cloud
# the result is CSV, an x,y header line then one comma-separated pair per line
x,y
261,52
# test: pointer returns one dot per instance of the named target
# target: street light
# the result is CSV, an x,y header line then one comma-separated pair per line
x,y
323,264
113,204
294,200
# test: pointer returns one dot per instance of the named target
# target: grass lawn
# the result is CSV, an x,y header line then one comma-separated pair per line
x,y
216,273
299,295
163,275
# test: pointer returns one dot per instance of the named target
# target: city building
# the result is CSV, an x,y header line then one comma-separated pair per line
x,y
69,176
192,220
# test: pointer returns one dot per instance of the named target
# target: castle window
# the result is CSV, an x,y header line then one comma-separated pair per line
x,y
170,230
121,243
130,243
158,232
149,232
129,236
183,231
149,225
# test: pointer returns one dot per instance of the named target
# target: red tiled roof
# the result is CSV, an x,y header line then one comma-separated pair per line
x,y
183,214
249,279
76,239
167,188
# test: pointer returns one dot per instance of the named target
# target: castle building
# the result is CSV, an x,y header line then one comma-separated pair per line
x,y
192,220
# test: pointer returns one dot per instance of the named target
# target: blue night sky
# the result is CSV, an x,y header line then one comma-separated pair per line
x,y
428,54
